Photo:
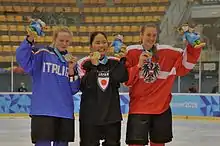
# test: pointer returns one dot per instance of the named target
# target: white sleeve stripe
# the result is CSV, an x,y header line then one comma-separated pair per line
x,y
159,47
83,59
113,58
165,74
43,50
168,47
132,47
186,64
81,72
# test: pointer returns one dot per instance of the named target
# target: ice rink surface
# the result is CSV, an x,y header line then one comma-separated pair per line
x,y
16,132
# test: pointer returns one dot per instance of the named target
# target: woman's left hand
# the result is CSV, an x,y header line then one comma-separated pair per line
x,y
71,65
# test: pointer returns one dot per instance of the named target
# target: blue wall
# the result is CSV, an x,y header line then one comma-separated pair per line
x,y
182,104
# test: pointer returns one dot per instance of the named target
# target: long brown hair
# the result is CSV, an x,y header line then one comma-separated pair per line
x,y
154,47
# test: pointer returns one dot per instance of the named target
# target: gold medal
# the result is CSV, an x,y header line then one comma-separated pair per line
x,y
96,55
68,57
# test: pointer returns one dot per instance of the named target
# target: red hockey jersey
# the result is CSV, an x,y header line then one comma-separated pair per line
x,y
155,98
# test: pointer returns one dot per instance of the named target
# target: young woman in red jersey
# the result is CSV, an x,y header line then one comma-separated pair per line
x,y
152,71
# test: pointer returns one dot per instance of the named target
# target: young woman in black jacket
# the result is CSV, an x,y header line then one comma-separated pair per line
x,y
101,75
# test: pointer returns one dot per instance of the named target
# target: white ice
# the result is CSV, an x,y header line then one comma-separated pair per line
x,y
16,132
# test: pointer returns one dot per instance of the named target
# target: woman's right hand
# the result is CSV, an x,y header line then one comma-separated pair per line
x,y
94,57
143,57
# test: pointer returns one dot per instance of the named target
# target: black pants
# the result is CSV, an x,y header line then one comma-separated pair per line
x,y
159,128
91,134
52,128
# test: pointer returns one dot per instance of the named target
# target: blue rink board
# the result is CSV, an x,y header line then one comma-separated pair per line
x,y
182,104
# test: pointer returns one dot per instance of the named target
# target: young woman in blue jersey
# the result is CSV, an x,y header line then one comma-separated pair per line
x,y
101,75
54,82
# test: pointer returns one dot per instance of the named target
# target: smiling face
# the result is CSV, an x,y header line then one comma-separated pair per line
x,y
148,36
99,43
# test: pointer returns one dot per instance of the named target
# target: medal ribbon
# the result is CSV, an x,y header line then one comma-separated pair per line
x,y
57,52
104,60
148,51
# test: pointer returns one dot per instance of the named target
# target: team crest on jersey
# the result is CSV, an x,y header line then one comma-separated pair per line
x,y
103,80
150,72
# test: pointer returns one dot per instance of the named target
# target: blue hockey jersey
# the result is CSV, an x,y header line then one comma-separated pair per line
x,y
52,91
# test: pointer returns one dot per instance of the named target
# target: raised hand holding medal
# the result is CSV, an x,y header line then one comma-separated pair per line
x,y
95,56
69,57
145,56
71,62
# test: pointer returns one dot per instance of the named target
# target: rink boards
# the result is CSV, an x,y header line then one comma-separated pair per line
x,y
193,106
